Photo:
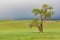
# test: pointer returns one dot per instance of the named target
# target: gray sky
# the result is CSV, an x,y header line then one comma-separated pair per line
x,y
15,9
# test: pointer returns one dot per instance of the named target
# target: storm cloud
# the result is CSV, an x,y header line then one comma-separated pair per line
x,y
22,9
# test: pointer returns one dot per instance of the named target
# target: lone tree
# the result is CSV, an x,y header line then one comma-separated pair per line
x,y
45,13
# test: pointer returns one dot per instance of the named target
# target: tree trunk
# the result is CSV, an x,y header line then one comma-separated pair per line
x,y
40,27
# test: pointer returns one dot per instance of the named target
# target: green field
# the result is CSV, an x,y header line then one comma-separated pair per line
x,y
19,30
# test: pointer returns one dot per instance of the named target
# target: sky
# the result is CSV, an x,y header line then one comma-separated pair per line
x,y
22,9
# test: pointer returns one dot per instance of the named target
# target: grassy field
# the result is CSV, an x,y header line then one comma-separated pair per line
x,y
19,30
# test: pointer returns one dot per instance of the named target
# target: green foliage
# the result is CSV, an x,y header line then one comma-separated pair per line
x,y
36,11
45,6
57,20
48,14
35,21
46,11
50,7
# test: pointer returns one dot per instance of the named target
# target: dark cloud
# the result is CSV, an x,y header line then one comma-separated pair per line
x,y
23,9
